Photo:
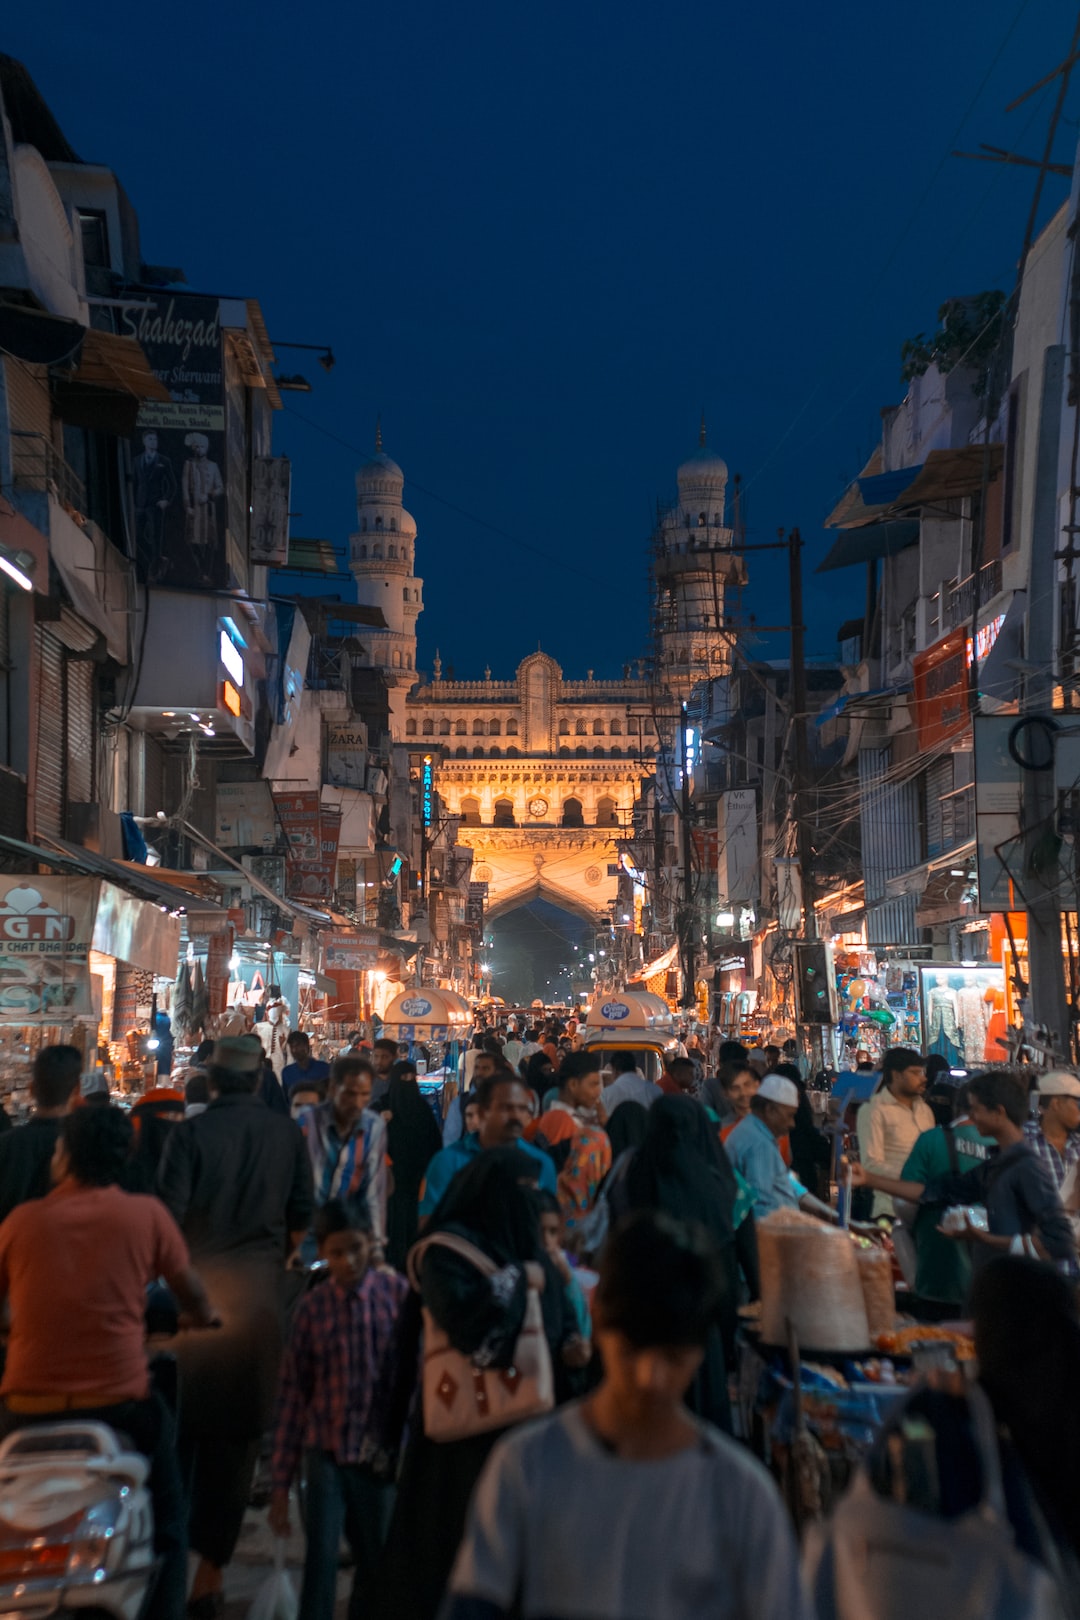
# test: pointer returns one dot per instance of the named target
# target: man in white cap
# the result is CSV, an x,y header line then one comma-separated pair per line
x,y
753,1148
1055,1135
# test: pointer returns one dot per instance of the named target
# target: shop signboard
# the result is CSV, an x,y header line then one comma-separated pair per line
x,y
354,951
245,816
346,755
46,928
998,790
299,815
941,690
219,950
178,452
737,846
474,907
313,879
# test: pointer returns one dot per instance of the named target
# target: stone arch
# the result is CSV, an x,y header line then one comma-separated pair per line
x,y
470,812
606,812
572,813
504,813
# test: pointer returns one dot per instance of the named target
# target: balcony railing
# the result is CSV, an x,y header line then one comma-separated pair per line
x,y
960,604
37,464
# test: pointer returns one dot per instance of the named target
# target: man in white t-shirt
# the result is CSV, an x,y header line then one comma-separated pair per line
x,y
682,1522
629,1084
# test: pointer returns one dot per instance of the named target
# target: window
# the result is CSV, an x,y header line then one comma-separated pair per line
x,y
582,729
461,753
513,753
478,728
504,813
605,812
564,728
410,728
718,655
598,753
405,593
616,728
408,660
362,551
598,728
581,753
478,753
376,551
391,551
702,520
495,729
397,657
470,810
571,813
459,729
616,753
444,728
95,238
393,524
429,728
496,753
564,753
378,522
363,525
511,728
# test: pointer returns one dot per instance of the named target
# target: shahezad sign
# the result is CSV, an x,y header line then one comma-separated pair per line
x,y
46,929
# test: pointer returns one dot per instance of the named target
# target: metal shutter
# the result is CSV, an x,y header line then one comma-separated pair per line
x,y
49,778
939,782
81,742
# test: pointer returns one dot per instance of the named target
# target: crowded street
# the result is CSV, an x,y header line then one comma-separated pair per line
x,y
540,979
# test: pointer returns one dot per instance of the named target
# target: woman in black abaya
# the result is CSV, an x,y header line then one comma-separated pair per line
x,y
490,1206
412,1140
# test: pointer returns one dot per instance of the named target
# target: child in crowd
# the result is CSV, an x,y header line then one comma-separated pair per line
x,y
553,1231
342,1340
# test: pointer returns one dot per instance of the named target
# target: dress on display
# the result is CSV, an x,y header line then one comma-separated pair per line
x,y
974,1016
996,1027
942,1024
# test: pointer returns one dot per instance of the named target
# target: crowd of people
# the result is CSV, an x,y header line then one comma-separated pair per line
x,y
380,1296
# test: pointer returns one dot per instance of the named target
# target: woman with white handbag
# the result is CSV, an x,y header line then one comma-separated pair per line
x,y
498,1329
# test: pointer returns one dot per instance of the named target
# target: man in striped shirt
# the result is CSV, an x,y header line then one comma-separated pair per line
x,y
346,1144
1055,1135
332,1381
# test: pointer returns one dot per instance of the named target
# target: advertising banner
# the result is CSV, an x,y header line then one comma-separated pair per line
x,y
46,926
245,816
941,689
346,755
271,477
178,452
352,952
301,822
998,789
737,834
219,949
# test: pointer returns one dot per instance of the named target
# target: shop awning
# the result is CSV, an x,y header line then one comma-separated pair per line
x,y
40,339
105,391
949,474
660,965
63,856
427,1012
884,489
870,542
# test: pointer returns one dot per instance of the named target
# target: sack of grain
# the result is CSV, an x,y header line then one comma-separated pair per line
x,y
876,1277
809,1274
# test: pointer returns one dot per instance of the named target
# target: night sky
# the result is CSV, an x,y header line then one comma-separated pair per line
x,y
540,239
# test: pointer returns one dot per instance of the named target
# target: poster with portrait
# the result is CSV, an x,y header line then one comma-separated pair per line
x,y
178,454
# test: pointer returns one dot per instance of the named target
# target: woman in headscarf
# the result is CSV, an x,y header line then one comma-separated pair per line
x,y
539,1077
412,1140
492,1206
681,1169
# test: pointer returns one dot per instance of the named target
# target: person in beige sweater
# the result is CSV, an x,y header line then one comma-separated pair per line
x,y
896,1115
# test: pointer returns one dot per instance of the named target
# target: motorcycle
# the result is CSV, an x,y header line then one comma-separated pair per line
x,y
76,1524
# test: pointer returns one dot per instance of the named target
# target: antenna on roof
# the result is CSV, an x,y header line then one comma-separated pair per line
x,y
378,433
701,429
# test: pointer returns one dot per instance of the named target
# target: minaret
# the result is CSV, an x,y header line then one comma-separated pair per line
x,y
694,568
382,557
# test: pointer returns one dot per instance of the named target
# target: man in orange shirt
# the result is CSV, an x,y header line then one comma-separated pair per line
x,y
569,1132
77,1344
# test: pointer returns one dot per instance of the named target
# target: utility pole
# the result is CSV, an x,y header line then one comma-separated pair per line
x,y
687,950
1046,966
800,805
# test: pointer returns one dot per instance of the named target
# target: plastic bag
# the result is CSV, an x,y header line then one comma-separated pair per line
x,y
276,1598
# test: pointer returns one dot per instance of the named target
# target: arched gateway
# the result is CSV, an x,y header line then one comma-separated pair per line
x,y
543,772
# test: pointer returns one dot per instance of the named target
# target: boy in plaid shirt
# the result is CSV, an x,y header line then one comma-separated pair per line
x,y
342,1337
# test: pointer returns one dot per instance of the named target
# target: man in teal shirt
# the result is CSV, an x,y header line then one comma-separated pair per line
x,y
942,1265
503,1105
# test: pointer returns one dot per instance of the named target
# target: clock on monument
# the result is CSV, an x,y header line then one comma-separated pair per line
x,y
538,807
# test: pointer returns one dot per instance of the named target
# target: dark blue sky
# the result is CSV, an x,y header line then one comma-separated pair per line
x,y
540,238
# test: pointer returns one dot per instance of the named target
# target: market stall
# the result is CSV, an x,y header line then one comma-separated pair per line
x,y
880,1003
438,1021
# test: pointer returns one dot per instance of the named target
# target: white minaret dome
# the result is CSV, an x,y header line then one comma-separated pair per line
x,y
702,473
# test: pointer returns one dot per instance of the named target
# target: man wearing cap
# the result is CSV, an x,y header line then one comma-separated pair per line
x,y
237,1180
1055,1135
753,1148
